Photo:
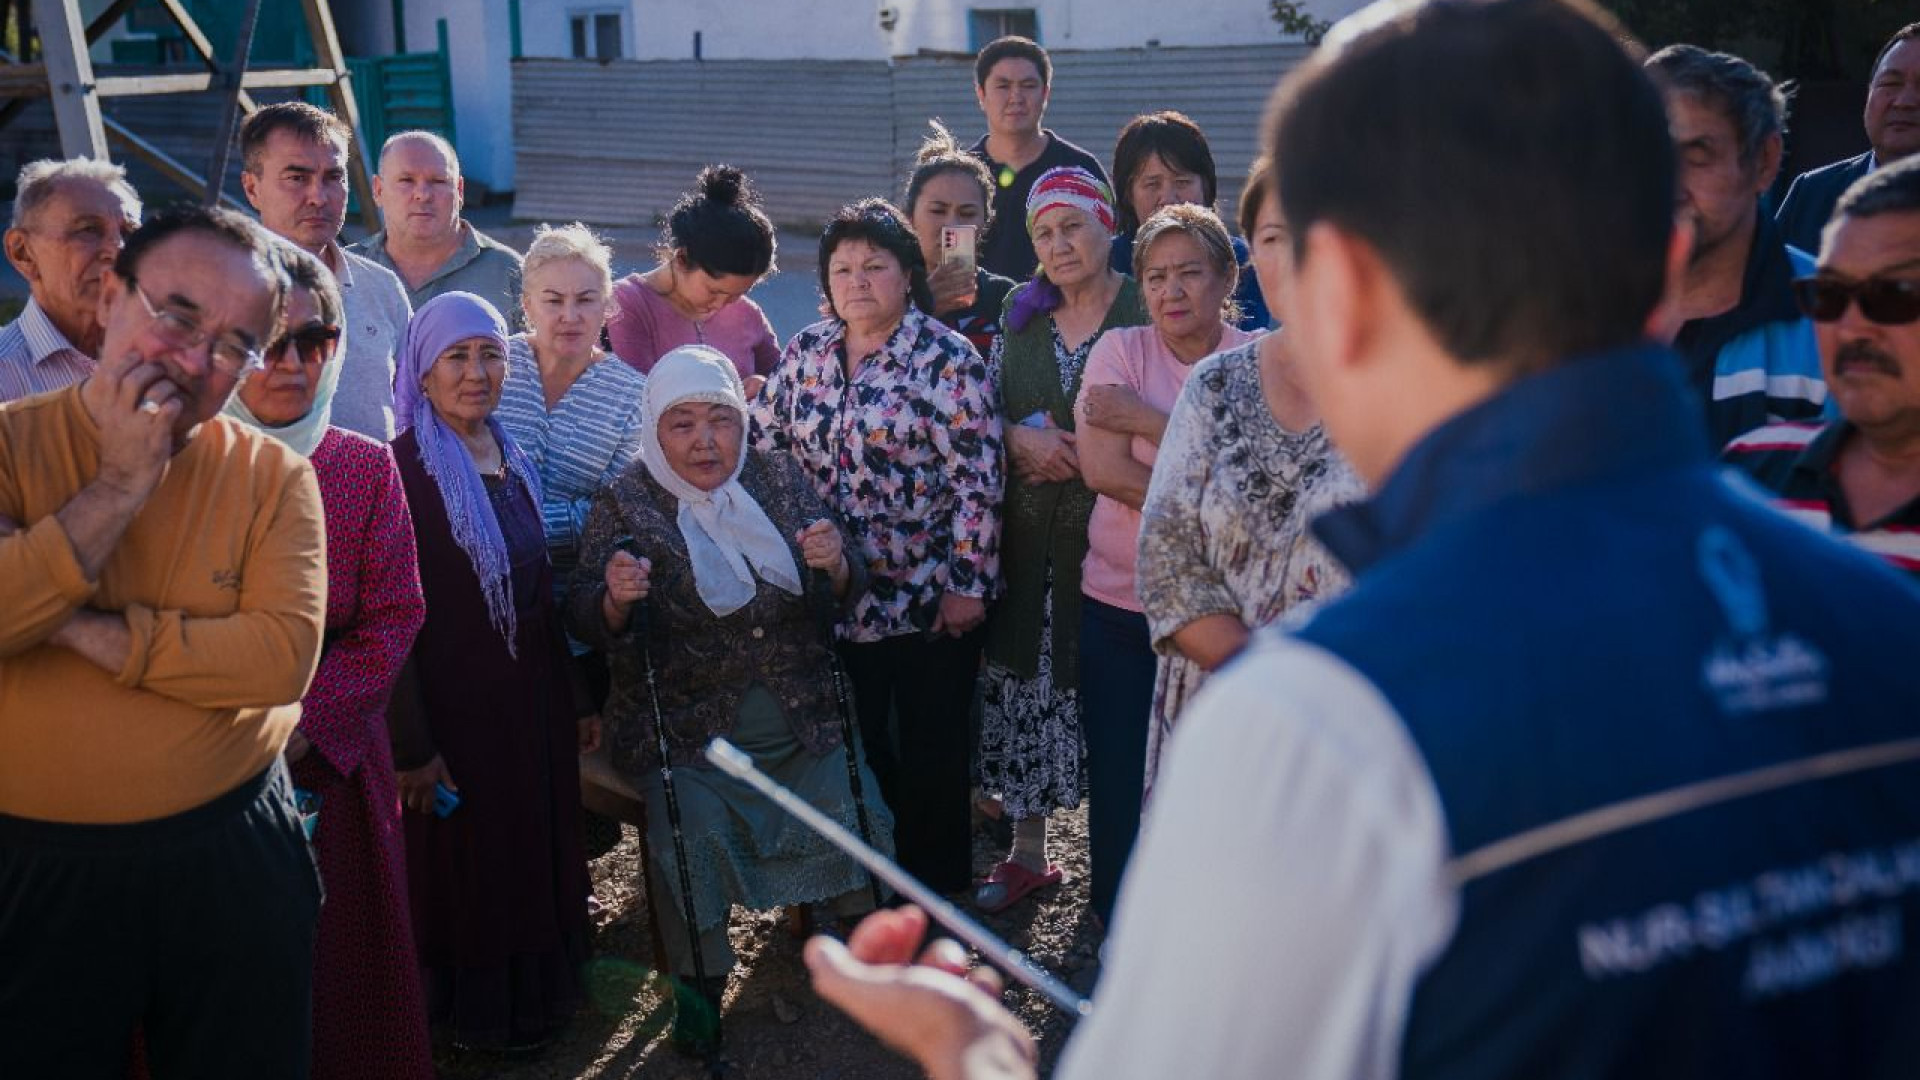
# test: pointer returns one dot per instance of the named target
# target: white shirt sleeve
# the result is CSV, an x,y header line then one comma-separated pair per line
x,y
1288,890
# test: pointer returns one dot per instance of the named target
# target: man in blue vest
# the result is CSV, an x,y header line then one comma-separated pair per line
x,y
1602,768
1892,118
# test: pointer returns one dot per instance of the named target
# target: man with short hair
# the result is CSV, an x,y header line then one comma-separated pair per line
x,y
1749,353
1859,476
426,242
1892,119
1012,81
294,159
162,596
70,219
1601,768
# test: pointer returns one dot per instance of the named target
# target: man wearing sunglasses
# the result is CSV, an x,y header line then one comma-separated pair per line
x,y
1859,476
162,590
1747,351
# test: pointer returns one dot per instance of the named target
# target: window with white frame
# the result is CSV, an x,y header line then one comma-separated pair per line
x,y
597,34
986,24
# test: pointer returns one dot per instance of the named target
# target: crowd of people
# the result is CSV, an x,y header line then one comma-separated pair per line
x,y
1439,702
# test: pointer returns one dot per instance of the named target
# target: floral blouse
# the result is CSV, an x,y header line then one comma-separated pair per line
x,y
908,454
1224,525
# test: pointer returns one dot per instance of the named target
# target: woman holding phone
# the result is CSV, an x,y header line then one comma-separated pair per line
x,y
949,201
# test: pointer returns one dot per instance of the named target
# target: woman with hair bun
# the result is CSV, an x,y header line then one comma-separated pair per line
x,y
717,245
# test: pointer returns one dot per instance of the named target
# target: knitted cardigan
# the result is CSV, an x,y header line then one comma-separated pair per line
x,y
1047,521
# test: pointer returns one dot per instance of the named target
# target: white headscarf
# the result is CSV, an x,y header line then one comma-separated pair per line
x,y
304,434
729,537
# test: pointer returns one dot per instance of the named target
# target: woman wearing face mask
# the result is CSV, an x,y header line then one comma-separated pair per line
x,y
1162,159
718,245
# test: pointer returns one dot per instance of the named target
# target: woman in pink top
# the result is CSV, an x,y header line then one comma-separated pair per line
x,y
1183,258
718,245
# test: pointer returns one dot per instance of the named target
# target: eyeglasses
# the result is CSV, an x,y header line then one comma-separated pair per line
x,y
229,357
1886,301
312,344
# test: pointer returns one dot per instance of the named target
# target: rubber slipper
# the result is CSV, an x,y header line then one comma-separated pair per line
x,y
1009,883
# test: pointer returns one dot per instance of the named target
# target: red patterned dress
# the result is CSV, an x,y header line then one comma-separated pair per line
x,y
369,1019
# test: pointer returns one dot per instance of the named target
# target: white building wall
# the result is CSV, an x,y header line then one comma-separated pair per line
x,y
480,48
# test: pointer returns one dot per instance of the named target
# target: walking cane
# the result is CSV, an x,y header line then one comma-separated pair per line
x,y
708,1049
825,582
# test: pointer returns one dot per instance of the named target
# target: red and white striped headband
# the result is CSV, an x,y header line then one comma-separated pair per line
x,y
1070,185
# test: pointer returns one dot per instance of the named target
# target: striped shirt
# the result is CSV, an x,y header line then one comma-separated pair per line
x,y
35,357
1796,462
580,446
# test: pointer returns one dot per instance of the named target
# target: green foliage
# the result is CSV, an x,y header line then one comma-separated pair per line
x,y
1294,18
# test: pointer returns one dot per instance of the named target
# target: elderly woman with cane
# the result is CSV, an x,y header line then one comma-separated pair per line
x,y
710,575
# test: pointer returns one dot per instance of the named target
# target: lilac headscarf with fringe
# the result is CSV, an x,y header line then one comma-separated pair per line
x,y
441,323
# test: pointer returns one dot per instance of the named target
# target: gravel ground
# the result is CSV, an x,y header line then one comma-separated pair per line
x,y
774,1025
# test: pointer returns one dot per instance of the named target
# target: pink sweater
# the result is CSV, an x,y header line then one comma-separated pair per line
x,y
645,327
1135,357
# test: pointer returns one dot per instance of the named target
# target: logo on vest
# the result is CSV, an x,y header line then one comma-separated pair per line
x,y
1752,669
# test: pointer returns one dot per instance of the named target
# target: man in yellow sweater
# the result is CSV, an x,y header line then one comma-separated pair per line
x,y
162,591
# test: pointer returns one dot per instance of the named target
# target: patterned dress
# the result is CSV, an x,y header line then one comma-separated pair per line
x,y
369,1022
907,453
1032,751
1224,527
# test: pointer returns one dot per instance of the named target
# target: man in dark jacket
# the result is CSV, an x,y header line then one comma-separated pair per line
x,y
1893,131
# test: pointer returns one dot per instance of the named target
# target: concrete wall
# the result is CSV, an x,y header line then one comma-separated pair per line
x,y
479,43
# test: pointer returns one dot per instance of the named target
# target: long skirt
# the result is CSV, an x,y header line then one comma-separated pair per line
x,y
1033,751
742,849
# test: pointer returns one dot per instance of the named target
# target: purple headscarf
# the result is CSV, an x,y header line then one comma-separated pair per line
x,y
441,323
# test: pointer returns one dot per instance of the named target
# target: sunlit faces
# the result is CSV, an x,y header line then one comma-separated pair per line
x,y
1893,103
66,247
1719,192
946,199
419,191
1272,255
463,384
1872,369
867,284
191,279
699,295
1183,289
282,391
1013,97
1158,184
300,189
701,442
566,305
1072,245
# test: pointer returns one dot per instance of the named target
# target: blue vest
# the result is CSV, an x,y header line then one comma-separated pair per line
x,y
1572,610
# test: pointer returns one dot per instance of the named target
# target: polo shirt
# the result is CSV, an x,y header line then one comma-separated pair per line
x,y
1007,250
35,357
1796,463
481,265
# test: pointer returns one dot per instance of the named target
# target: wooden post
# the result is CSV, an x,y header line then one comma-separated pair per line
x,y
327,44
230,111
76,109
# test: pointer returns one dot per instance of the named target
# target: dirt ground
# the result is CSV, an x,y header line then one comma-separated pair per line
x,y
773,1024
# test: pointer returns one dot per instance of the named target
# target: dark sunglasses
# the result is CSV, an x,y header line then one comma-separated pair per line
x,y
1882,300
313,344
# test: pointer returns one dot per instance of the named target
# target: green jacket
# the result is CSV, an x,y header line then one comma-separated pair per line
x,y
1044,522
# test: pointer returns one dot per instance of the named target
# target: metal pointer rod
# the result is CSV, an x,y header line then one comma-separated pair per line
x,y
731,760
